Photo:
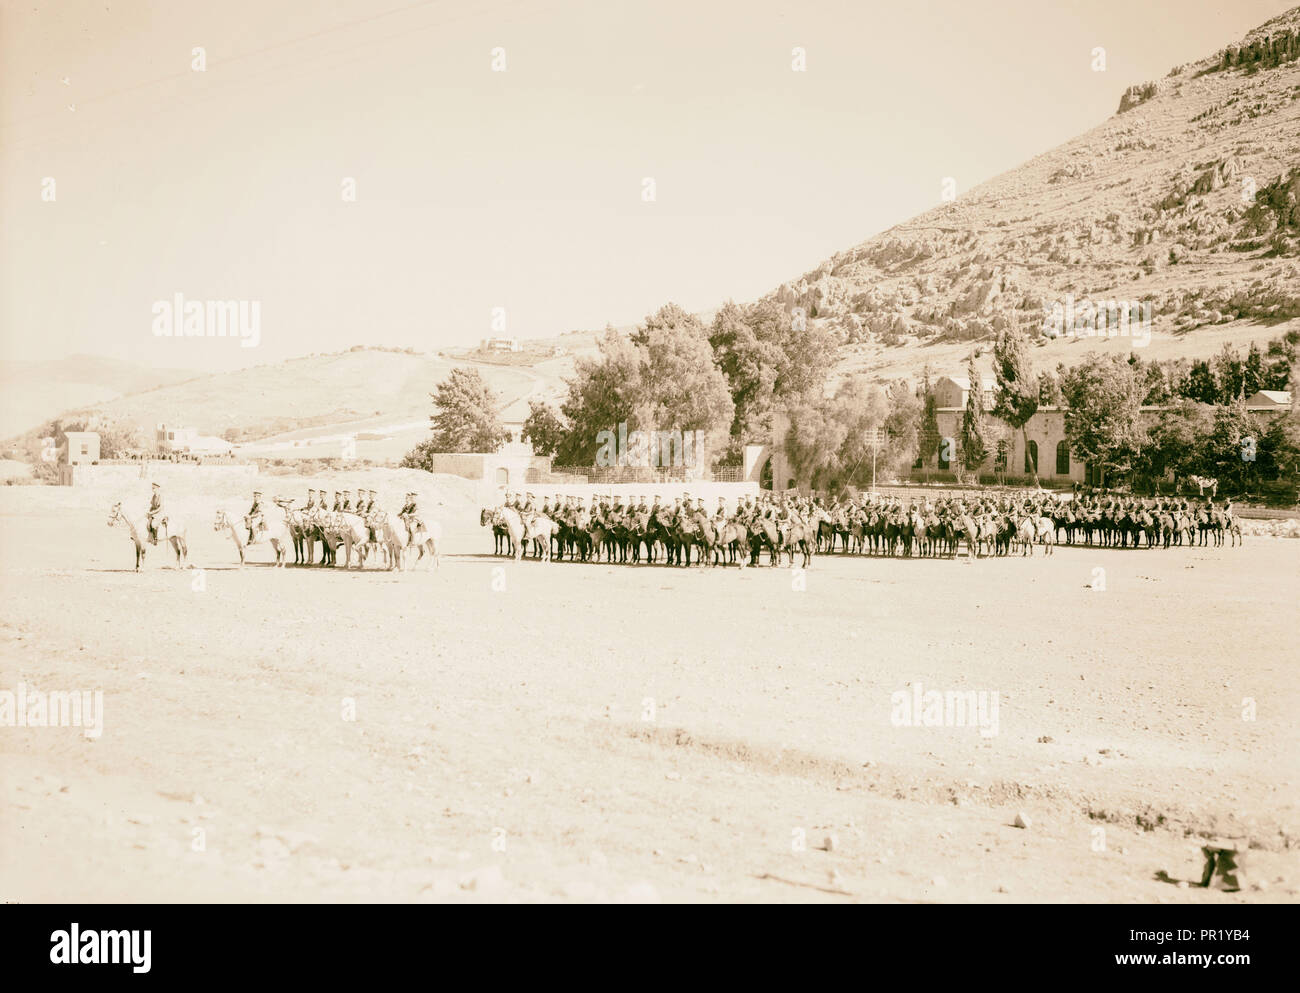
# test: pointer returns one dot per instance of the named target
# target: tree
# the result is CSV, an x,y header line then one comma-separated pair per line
x,y
660,379
974,447
860,412
679,387
601,395
750,367
1049,390
465,419
1229,374
1199,384
1232,449
1103,397
1175,441
1279,449
1253,371
928,432
863,432
544,430
997,436
1156,385
1016,399
771,360
117,439
813,442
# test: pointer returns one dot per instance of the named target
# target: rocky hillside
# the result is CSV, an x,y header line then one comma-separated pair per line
x,y
1185,199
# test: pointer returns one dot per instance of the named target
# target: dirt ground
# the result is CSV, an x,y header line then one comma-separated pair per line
x,y
502,731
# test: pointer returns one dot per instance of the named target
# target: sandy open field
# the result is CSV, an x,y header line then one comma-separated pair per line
x,y
523,732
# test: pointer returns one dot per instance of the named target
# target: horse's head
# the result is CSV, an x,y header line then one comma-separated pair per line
x,y
220,522
115,514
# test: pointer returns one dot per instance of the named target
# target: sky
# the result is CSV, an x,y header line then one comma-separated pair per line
x,y
518,195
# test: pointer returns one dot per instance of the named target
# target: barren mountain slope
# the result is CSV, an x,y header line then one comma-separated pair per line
x,y
1185,199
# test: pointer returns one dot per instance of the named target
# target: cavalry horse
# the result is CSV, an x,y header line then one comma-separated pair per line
x,y
540,529
278,534
399,541
138,529
509,522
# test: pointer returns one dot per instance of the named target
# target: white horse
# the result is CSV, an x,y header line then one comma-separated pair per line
x,y
278,533
348,530
400,540
138,527
539,529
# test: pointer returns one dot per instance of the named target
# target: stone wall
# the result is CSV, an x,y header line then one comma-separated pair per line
x,y
147,471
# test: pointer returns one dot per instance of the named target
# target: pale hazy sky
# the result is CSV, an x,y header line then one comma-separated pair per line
x,y
519,189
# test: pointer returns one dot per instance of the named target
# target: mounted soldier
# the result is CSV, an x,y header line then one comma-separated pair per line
x,y
410,514
156,513
253,519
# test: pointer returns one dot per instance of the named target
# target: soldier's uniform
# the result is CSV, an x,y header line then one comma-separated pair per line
x,y
311,500
338,503
411,513
254,515
155,513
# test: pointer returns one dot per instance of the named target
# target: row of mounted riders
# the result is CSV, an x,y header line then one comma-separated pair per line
x,y
674,536
1002,527
391,538
371,531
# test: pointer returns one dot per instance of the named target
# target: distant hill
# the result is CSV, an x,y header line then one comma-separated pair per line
x,y
1185,199
35,391
1155,205
360,389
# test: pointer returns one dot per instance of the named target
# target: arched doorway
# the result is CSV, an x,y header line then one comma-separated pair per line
x,y
1031,458
503,476
765,475
1062,458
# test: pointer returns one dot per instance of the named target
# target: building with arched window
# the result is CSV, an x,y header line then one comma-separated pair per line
x,y
1044,432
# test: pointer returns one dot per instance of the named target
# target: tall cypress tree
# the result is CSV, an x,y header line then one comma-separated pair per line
x,y
974,447
1016,400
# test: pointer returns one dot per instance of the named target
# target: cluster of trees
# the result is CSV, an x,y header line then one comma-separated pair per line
x,y
757,372
728,379
1204,428
1221,440
1222,379
116,438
